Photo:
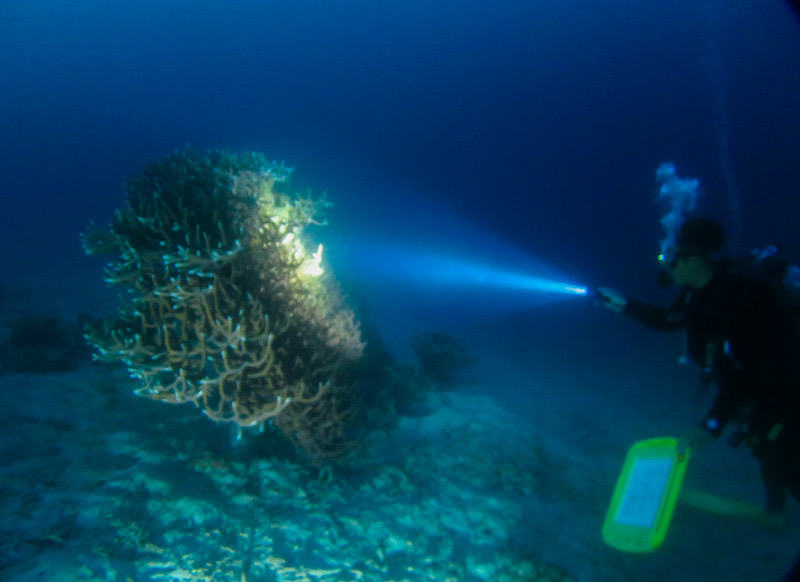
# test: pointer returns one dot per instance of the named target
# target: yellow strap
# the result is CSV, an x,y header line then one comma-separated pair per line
x,y
728,507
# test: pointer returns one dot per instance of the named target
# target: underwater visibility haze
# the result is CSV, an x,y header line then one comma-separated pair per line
x,y
308,290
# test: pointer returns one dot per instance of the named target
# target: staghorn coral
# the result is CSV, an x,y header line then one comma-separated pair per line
x,y
225,307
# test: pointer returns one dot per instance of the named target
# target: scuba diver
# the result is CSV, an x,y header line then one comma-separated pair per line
x,y
741,331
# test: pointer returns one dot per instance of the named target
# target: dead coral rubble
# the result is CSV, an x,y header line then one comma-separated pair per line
x,y
225,306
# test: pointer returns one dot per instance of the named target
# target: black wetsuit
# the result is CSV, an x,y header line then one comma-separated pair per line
x,y
742,334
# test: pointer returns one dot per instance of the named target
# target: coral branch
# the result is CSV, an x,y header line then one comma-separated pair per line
x,y
229,310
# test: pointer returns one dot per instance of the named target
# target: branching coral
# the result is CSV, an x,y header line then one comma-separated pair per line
x,y
226,307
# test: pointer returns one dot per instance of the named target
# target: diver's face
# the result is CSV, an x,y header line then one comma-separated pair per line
x,y
689,270
681,270
676,268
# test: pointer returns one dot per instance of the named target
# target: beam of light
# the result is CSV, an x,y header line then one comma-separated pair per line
x,y
392,264
412,263
436,270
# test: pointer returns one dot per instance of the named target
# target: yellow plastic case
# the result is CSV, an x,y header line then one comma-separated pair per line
x,y
645,496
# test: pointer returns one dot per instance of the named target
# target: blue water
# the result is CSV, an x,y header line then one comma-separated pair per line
x,y
542,121
517,134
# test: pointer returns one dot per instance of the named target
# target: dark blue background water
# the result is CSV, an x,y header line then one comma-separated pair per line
x,y
542,122
499,130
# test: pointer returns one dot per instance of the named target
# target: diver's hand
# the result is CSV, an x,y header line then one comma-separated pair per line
x,y
694,438
611,299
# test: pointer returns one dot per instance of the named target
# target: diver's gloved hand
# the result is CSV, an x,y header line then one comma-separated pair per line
x,y
695,437
611,299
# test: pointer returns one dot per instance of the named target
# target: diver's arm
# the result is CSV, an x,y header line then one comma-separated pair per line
x,y
668,319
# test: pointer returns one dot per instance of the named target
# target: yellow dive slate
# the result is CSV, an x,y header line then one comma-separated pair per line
x,y
645,495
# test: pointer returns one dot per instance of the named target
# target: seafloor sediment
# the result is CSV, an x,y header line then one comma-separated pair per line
x,y
505,478
100,485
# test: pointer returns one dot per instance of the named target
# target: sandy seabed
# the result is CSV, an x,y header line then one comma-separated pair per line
x,y
507,477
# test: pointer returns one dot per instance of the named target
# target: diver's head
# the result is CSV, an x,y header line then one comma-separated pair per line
x,y
690,261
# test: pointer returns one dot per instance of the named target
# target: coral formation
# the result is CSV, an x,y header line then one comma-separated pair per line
x,y
225,306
